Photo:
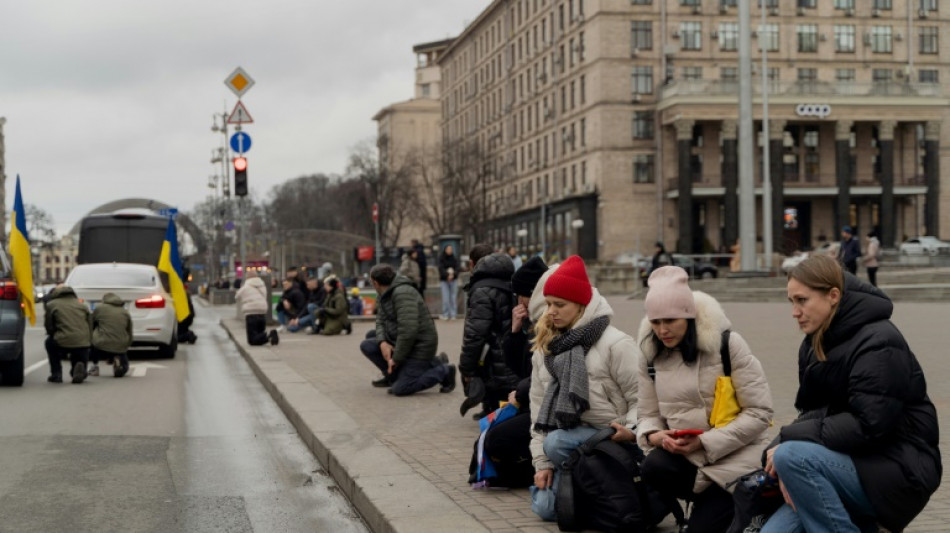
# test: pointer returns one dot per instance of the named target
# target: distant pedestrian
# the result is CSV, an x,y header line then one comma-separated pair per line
x,y
403,345
410,267
448,280
870,259
69,334
660,258
850,250
251,299
334,317
423,266
515,258
356,303
111,335
292,303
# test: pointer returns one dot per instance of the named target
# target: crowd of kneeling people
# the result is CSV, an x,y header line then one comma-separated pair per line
x,y
861,456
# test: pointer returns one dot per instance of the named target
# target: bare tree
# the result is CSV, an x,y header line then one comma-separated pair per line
x,y
465,174
429,202
390,187
39,225
304,202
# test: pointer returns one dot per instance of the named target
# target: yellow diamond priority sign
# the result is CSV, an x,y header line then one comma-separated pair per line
x,y
239,82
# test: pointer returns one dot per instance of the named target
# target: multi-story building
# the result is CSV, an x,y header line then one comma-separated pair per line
x,y
409,142
615,121
55,260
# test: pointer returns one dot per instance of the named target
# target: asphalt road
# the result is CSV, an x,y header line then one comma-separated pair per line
x,y
188,444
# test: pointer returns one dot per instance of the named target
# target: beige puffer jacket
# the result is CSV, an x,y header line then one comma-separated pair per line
x,y
252,297
682,397
612,373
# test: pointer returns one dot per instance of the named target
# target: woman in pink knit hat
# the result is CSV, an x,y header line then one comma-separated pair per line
x,y
683,337
583,377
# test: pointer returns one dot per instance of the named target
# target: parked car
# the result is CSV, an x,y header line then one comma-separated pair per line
x,y
792,261
11,326
40,292
925,245
696,269
145,294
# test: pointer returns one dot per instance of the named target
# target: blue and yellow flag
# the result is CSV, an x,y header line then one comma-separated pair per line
x,y
170,263
20,256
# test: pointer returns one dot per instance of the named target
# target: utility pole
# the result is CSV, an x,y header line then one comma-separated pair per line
x,y
766,165
746,167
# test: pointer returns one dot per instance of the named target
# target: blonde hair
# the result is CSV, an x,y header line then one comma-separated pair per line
x,y
544,330
820,273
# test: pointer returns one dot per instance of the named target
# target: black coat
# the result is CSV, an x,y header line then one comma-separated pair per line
x,y
488,322
449,261
869,400
298,302
517,349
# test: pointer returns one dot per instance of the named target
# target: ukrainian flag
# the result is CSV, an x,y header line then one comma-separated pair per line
x,y
170,263
20,256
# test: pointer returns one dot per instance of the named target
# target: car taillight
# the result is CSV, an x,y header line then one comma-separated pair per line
x,y
8,291
155,301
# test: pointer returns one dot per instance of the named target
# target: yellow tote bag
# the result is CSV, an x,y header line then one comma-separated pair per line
x,y
725,406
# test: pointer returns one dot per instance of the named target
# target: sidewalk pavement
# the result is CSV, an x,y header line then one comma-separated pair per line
x,y
403,462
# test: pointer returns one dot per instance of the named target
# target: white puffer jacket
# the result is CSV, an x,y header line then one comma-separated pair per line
x,y
682,397
611,370
252,297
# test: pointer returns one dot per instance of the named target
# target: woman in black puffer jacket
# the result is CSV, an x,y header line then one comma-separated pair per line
x,y
864,450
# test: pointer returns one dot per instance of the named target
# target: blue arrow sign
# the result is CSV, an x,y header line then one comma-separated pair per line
x,y
240,142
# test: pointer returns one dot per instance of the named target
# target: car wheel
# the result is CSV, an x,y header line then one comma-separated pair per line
x,y
933,251
168,350
707,275
11,372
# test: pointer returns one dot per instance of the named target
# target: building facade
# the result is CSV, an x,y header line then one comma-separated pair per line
x,y
610,124
409,142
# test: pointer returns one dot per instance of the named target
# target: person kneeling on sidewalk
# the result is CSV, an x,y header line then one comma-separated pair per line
x,y
404,343
69,331
252,302
111,335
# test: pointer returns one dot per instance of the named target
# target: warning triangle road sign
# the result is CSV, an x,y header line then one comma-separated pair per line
x,y
240,115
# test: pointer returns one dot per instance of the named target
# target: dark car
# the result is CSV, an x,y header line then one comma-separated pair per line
x,y
696,269
11,327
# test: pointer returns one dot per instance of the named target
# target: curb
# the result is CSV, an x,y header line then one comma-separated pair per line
x,y
389,494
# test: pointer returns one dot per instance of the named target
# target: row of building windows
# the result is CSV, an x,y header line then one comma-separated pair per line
x,y
568,180
929,5
534,155
878,38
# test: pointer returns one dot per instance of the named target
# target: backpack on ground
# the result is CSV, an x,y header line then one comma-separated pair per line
x,y
601,488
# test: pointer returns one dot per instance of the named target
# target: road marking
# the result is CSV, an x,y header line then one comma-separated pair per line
x,y
139,370
33,367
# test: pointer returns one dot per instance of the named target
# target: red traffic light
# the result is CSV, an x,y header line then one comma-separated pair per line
x,y
240,163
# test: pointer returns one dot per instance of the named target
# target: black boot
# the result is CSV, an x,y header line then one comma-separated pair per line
x,y
448,384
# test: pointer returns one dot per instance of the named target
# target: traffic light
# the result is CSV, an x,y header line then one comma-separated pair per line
x,y
240,176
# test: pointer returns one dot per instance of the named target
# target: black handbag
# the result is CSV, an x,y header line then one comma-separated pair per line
x,y
756,497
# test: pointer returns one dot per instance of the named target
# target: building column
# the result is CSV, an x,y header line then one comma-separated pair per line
x,y
932,175
885,145
684,142
777,178
843,173
730,180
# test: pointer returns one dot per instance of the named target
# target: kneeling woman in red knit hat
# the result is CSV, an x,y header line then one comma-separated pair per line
x,y
583,378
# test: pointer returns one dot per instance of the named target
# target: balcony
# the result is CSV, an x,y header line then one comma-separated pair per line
x,y
686,89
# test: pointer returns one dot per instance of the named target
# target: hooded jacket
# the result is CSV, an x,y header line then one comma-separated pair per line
x,y
869,400
611,370
336,313
488,322
874,250
68,320
410,268
111,325
252,297
403,320
682,397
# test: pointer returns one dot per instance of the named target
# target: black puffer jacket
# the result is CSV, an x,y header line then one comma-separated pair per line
x,y
488,320
869,400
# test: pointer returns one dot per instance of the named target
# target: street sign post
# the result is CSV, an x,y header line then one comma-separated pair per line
x,y
239,82
240,142
376,224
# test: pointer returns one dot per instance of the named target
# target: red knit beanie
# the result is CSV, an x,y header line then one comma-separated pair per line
x,y
570,282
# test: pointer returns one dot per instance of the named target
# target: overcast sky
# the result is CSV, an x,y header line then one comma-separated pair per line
x,y
110,99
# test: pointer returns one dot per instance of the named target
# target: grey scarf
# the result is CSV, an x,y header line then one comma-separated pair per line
x,y
567,396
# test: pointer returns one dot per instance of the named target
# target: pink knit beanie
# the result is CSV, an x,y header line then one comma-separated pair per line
x,y
669,295
570,282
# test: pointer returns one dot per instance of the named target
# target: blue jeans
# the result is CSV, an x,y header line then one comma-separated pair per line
x,y
450,304
825,488
558,446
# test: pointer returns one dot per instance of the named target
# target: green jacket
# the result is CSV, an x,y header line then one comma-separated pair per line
x,y
403,320
111,325
336,313
67,319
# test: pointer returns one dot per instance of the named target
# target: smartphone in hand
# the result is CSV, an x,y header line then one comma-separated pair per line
x,y
677,433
